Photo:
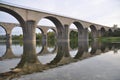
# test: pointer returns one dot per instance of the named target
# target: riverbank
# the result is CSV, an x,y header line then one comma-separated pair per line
x,y
110,39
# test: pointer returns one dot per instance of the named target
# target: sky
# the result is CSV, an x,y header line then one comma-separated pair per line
x,y
104,12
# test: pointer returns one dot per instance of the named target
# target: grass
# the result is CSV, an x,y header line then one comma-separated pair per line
x,y
110,39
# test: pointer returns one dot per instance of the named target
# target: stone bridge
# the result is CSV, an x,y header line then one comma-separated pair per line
x,y
29,18
8,27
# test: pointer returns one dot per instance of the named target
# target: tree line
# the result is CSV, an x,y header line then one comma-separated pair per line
x,y
73,36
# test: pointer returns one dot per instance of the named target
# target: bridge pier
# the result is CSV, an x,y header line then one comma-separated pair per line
x,y
44,49
100,33
44,38
103,33
65,34
29,62
8,39
29,39
66,49
29,32
83,35
94,35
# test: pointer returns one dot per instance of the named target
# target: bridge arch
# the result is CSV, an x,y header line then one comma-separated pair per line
x,y
52,30
94,33
15,14
82,32
78,25
3,29
51,36
57,24
17,34
93,28
40,30
43,35
110,32
103,29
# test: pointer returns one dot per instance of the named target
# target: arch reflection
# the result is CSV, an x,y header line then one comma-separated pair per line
x,y
30,63
82,49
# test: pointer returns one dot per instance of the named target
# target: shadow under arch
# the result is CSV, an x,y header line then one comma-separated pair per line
x,y
15,14
93,31
78,25
102,31
110,32
93,28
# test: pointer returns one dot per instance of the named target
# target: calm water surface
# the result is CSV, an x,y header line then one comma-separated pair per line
x,y
94,61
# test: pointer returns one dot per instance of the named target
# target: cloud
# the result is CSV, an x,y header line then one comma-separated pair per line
x,y
110,19
105,12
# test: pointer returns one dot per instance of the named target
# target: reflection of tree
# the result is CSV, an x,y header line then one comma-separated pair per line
x,y
74,44
29,62
73,39
51,36
17,37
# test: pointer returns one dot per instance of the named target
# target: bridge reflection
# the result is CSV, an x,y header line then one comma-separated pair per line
x,y
30,62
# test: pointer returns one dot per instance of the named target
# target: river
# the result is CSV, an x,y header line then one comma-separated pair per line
x,y
60,61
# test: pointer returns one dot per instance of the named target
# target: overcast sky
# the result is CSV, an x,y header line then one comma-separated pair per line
x,y
105,12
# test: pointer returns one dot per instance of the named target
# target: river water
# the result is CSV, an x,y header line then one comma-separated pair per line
x,y
60,61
